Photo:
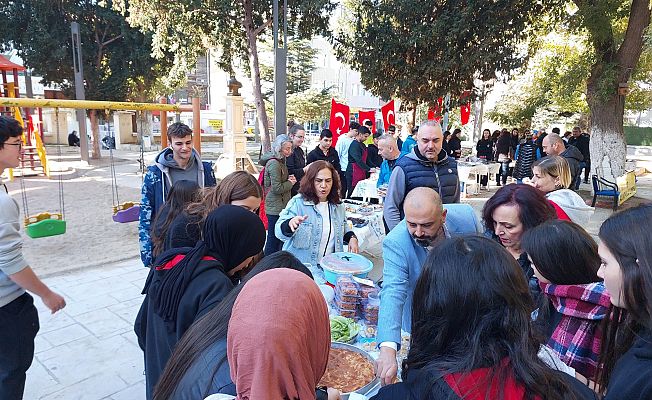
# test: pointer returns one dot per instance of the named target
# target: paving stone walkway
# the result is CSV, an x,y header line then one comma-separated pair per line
x,y
88,351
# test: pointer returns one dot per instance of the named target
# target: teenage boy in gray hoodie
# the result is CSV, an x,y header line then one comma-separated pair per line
x,y
18,316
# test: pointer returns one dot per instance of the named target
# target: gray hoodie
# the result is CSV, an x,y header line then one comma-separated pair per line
x,y
572,204
11,248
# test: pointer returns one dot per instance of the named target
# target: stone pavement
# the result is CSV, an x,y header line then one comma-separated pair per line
x,y
88,351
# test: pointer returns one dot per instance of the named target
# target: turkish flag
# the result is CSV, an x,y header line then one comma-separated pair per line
x,y
389,117
339,122
368,116
465,112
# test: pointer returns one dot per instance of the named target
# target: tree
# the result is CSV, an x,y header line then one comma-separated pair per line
x,y
553,83
300,64
188,27
310,105
421,50
116,58
616,31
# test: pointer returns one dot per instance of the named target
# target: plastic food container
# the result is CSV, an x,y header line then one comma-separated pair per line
x,y
365,291
342,263
370,308
346,288
345,313
343,305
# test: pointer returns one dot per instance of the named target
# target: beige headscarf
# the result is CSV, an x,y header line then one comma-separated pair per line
x,y
279,337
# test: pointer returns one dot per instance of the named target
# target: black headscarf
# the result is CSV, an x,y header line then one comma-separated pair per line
x,y
231,235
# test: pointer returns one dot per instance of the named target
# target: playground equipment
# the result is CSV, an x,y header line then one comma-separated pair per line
x,y
49,224
45,223
128,211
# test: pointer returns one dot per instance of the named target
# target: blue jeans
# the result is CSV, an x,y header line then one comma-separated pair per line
x,y
18,327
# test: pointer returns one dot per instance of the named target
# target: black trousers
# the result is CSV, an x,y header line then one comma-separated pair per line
x,y
343,183
273,244
18,328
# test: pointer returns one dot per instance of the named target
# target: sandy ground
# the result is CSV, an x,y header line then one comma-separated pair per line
x,y
92,238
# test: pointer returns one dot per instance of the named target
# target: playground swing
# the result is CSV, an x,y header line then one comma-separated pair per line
x,y
128,211
46,223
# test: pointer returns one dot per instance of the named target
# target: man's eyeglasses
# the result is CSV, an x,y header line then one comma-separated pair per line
x,y
19,144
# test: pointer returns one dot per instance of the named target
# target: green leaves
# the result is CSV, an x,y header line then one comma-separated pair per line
x,y
421,50
116,57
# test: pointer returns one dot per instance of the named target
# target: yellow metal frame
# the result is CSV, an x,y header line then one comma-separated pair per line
x,y
89,104
32,219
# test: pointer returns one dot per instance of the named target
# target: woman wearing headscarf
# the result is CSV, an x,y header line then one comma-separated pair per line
x,y
188,282
281,350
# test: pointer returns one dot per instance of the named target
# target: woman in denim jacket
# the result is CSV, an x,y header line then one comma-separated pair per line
x,y
302,226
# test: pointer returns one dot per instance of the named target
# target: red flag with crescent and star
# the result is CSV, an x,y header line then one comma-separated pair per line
x,y
465,108
339,122
368,116
389,117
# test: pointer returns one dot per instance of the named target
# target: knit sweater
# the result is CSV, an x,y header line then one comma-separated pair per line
x,y
11,248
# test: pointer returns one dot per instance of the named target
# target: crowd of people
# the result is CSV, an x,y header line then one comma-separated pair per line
x,y
517,303
525,147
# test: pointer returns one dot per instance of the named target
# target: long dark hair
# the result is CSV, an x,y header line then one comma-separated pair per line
x,y
181,194
471,310
562,252
533,207
307,186
626,235
213,327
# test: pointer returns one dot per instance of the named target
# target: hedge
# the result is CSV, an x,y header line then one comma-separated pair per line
x,y
638,136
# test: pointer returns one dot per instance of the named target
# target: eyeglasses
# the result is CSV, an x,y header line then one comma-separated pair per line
x,y
19,144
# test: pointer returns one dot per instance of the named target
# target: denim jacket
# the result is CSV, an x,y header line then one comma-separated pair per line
x,y
304,243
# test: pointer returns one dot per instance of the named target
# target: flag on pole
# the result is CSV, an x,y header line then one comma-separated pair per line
x,y
370,115
339,121
389,116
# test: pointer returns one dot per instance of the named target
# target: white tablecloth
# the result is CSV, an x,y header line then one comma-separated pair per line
x,y
366,189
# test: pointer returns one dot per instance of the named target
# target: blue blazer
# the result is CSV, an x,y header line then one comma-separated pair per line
x,y
403,259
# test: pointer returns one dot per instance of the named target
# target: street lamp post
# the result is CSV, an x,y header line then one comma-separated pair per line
x,y
280,70
79,88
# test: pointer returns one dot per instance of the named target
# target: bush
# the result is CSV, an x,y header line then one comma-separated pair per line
x,y
636,136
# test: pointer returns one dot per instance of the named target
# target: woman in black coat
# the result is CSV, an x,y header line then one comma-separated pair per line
x,y
455,144
626,252
485,150
185,283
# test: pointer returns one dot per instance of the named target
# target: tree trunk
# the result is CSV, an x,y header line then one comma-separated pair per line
x,y
254,66
95,134
608,147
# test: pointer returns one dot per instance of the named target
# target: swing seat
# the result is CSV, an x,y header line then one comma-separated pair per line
x,y
126,212
45,224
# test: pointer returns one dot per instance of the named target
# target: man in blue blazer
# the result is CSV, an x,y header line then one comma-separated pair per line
x,y
405,248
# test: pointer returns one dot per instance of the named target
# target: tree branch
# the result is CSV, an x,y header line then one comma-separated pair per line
x,y
111,40
630,50
264,26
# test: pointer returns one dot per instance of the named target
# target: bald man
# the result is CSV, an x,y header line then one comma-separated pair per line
x,y
388,149
426,223
427,165
554,145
